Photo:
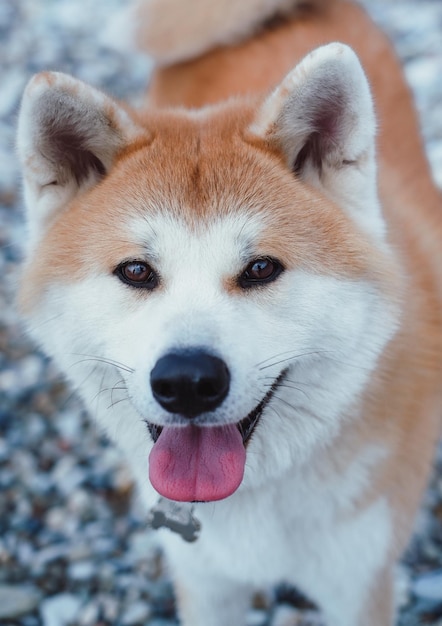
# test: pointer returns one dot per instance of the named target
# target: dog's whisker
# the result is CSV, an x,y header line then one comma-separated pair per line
x,y
73,393
327,354
294,357
287,380
105,360
98,394
284,384
294,407
32,328
113,404
299,409
113,388
273,408
349,364
275,356
269,377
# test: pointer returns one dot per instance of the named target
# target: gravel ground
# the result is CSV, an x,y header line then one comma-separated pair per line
x,y
74,546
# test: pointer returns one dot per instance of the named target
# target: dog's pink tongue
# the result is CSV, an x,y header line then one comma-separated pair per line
x,y
193,463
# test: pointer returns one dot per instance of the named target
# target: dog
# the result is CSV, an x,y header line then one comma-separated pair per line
x,y
251,263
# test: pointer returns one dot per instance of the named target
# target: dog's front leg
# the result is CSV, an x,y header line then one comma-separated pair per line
x,y
211,601
380,606
204,596
346,567
375,609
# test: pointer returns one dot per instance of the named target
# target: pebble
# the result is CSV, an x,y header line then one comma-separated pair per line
x,y
80,503
110,607
288,616
82,570
402,586
68,475
285,616
60,610
4,450
51,553
89,614
136,614
256,618
16,601
69,426
142,545
78,548
429,586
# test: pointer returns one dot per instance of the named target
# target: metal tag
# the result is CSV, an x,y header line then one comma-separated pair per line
x,y
177,517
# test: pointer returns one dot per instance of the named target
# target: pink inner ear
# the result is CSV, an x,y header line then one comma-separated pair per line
x,y
66,130
325,120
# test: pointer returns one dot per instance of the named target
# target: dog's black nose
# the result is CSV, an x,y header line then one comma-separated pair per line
x,y
190,382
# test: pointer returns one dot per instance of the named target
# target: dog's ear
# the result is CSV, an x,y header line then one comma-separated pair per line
x,y
321,119
68,137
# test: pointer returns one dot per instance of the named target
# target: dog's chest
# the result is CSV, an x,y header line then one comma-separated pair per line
x,y
290,529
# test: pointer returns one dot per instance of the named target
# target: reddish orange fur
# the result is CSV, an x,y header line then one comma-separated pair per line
x,y
79,241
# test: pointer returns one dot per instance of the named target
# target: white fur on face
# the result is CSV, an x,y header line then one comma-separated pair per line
x,y
327,332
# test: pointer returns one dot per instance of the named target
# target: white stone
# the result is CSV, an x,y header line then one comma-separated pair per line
x,y
60,610
136,613
17,600
429,586
67,474
13,83
81,570
285,616
256,618
143,545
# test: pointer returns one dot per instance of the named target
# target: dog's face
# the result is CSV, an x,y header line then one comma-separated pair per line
x,y
216,284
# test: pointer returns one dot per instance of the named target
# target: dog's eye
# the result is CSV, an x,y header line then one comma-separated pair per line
x,y
260,271
137,274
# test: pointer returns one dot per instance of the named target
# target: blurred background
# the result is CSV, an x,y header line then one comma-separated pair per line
x,y
74,546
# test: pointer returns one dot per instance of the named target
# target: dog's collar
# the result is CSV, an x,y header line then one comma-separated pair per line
x,y
177,517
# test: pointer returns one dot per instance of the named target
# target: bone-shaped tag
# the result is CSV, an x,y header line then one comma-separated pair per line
x,y
177,517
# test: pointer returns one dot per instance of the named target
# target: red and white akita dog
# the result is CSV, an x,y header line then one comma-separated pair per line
x,y
256,270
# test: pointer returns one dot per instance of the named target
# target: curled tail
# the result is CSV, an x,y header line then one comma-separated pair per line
x,y
176,30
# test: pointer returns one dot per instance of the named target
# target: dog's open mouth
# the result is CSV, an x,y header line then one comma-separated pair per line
x,y
247,425
203,463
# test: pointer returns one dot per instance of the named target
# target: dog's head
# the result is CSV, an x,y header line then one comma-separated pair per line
x,y
214,281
